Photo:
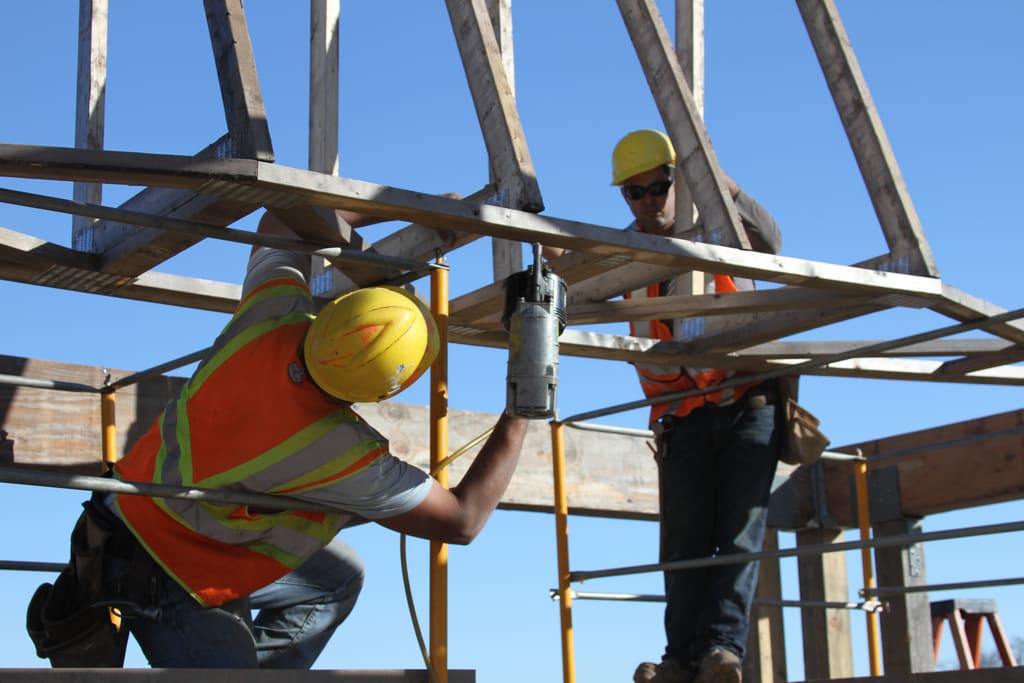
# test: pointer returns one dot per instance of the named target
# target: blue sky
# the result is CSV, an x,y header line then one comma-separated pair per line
x,y
946,82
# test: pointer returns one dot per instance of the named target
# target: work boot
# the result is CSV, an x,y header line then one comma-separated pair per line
x,y
719,665
669,671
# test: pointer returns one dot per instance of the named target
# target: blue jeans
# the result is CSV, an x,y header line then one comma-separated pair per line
x,y
298,613
717,466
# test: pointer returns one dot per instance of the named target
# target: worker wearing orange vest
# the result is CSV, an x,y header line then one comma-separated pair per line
x,y
270,410
717,450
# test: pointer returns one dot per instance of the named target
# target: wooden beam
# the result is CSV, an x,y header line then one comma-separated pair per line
x,y
610,474
130,250
938,347
90,105
690,53
906,623
764,301
765,660
878,167
50,428
323,85
324,32
239,85
695,155
965,307
507,256
495,104
266,183
964,464
828,648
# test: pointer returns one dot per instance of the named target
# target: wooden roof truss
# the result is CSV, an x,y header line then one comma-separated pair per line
x,y
116,250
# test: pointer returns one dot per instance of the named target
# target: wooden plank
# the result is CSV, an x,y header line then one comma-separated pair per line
x,y
35,256
61,429
323,85
765,660
994,675
445,214
52,265
609,474
938,347
507,256
124,168
906,625
90,104
828,649
140,249
324,19
617,280
500,12
899,221
573,267
965,307
964,464
918,370
492,94
588,344
131,249
46,427
179,290
690,53
764,301
32,261
239,85
263,181
679,112
741,331
978,362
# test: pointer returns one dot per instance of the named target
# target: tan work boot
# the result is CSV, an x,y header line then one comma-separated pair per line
x,y
719,665
669,671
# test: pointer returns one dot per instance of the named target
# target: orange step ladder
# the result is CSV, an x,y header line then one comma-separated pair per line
x,y
966,618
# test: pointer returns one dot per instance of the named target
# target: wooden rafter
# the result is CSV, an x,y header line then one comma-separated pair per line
x,y
902,228
695,155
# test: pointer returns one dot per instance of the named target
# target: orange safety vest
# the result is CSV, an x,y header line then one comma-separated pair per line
x,y
658,380
250,419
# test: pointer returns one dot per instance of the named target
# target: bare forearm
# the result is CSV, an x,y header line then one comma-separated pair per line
x,y
488,477
458,515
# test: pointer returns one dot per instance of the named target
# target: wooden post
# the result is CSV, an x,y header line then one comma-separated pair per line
x,y
828,650
690,52
506,254
906,621
766,645
90,106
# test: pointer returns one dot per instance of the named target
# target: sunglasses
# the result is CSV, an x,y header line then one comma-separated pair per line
x,y
637,192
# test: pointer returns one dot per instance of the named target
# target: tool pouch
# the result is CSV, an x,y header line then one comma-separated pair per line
x,y
68,621
802,441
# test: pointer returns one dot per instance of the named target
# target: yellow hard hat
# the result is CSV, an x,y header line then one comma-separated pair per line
x,y
371,343
641,151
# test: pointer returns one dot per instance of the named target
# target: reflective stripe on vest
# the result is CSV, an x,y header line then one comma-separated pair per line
x,y
658,380
248,420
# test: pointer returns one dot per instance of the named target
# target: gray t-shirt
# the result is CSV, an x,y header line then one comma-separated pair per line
x,y
389,486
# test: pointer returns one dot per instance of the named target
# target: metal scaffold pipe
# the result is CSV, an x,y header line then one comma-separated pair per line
x,y
799,368
868,605
57,385
803,551
864,523
34,477
438,467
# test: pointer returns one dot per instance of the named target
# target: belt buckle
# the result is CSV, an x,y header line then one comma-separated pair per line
x,y
757,400
662,425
